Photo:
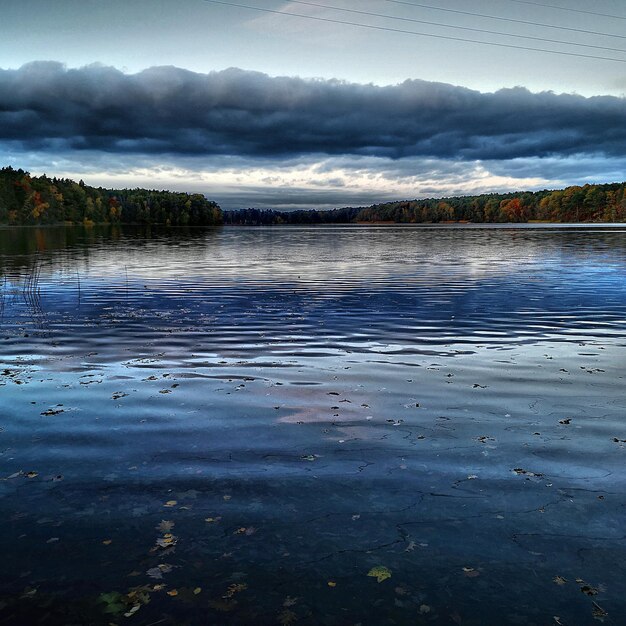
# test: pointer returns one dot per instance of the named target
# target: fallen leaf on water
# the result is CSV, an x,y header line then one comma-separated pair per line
x,y
212,520
50,412
470,572
165,526
31,474
522,472
172,592
171,503
559,580
233,589
380,573
133,610
332,583
424,608
155,572
114,602
197,590
167,540
598,612
107,542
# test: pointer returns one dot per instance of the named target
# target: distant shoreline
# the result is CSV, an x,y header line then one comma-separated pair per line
x,y
39,200
364,225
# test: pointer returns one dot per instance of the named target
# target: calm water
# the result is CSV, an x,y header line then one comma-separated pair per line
x,y
238,426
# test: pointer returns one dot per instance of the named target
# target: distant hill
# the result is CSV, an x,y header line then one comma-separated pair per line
x,y
26,199
589,203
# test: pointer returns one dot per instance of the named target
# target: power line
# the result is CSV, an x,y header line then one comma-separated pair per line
x,y
554,6
412,32
476,30
504,19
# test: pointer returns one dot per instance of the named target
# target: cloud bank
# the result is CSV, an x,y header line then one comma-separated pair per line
x,y
167,110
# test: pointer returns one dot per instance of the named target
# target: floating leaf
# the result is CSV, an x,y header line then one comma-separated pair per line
x,y
589,590
598,612
234,589
114,602
380,573
470,572
167,541
559,580
171,503
133,610
165,526
155,572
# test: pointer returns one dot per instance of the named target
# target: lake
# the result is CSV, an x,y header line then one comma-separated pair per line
x,y
313,425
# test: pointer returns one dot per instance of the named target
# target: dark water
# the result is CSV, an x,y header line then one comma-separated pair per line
x,y
238,426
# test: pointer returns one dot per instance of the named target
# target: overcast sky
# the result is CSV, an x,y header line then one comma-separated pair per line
x,y
276,110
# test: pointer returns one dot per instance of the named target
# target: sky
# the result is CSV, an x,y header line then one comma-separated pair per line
x,y
296,106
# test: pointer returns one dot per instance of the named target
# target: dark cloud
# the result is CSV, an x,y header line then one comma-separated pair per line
x,y
44,106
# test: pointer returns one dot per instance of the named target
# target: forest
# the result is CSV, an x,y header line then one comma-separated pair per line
x,y
26,199
588,203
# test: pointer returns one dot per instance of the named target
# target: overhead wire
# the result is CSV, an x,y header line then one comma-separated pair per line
x,y
412,32
503,19
454,26
558,8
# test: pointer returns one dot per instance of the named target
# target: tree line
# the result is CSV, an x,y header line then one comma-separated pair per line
x,y
26,199
587,203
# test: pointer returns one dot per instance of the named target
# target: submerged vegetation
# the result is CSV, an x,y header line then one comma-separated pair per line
x,y
26,199
30,200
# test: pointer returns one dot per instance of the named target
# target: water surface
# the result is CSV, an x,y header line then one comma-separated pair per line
x,y
237,426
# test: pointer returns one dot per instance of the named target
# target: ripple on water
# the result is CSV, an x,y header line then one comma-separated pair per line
x,y
447,403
